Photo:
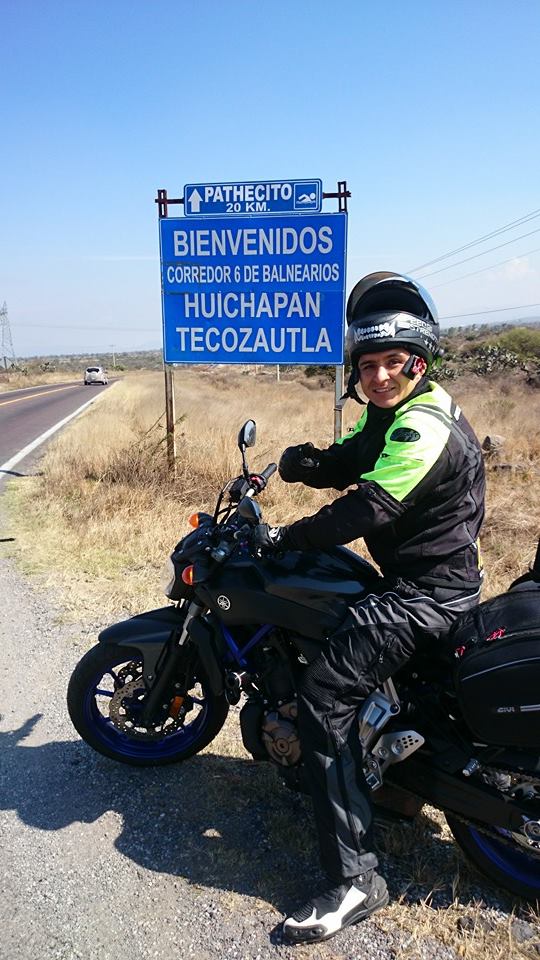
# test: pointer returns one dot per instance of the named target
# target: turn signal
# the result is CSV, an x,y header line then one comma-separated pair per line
x,y
194,520
188,575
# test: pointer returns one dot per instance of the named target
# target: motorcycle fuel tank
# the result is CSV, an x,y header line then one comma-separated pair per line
x,y
304,591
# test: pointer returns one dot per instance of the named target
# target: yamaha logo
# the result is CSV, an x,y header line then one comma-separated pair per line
x,y
224,602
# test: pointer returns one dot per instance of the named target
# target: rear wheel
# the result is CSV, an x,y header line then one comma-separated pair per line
x,y
106,694
506,861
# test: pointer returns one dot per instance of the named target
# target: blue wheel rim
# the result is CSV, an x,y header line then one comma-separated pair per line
x,y
125,746
513,861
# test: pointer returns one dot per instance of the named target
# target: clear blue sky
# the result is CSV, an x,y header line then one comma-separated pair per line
x,y
429,110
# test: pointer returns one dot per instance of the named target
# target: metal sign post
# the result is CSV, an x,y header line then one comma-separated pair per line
x,y
170,419
339,402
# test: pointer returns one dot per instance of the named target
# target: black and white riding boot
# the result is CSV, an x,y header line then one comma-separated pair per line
x,y
336,908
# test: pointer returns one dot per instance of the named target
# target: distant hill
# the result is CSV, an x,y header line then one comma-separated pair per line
x,y
456,339
493,326
76,363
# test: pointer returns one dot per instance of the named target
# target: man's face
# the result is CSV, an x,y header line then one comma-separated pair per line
x,y
381,378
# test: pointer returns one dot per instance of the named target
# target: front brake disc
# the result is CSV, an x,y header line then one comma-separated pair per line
x,y
125,705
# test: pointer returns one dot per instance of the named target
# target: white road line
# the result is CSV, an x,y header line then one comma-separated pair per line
x,y
9,464
31,396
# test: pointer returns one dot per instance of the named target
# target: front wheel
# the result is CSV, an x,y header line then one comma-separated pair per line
x,y
105,696
508,862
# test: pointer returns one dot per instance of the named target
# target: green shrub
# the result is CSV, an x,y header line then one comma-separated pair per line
x,y
493,358
523,341
318,370
442,373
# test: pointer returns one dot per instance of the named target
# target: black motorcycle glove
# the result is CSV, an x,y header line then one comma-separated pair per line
x,y
298,463
267,538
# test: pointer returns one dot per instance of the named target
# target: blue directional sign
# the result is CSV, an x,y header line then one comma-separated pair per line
x,y
254,291
241,199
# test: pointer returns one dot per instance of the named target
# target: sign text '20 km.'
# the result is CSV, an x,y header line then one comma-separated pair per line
x,y
250,291
266,197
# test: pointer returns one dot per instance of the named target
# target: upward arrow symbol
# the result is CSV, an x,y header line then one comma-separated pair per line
x,y
195,201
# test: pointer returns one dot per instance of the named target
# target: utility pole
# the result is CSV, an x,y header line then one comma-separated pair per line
x,y
113,356
339,402
7,352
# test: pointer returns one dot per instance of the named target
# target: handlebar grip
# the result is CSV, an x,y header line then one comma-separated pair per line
x,y
269,470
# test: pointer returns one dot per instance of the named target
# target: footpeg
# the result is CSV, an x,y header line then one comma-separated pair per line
x,y
390,748
396,747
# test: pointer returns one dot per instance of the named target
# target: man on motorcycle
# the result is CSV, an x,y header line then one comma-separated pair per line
x,y
418,501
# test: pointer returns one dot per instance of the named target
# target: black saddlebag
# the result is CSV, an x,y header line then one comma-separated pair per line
x,y
496,648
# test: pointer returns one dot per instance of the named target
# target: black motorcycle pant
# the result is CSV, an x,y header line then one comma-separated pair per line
x,y
378,636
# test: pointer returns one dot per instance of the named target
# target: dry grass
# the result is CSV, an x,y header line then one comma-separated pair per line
x,y
512,526
18,381
463,930
438,898
105,508
99,521
105,514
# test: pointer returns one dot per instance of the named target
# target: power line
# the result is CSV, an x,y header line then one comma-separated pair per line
x,y
56,326
473,273
476,255
477,313
487,236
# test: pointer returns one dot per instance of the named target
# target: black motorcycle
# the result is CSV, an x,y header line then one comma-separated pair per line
x,y
156,689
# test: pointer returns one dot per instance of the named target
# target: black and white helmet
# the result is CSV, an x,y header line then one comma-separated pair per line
x,y
387,310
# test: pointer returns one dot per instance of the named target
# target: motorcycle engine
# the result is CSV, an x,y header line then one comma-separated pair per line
x,y
280,735
269,719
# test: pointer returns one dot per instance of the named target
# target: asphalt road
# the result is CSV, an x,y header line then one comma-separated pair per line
x,y
27,414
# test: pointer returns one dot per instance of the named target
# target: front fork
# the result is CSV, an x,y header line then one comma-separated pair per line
x,y
160,684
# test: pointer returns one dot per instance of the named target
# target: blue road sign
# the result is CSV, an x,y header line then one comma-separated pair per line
x,y
249,291
242,199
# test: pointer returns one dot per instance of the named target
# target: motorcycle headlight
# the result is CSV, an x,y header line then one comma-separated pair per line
x,y
173,586
168,578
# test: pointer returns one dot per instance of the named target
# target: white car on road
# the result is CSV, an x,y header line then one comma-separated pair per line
x,y
95,375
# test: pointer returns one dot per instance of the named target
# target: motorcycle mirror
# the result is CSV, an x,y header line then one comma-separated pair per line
x,y
249,510
247,435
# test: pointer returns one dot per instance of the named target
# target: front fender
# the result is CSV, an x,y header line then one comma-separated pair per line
x,y
147,632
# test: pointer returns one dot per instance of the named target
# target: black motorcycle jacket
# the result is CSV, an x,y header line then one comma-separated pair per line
x,y
419,496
